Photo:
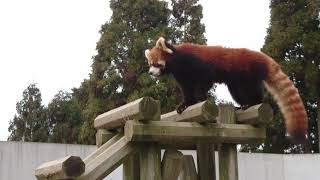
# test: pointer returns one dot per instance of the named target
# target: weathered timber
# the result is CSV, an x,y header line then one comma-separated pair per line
x,y
108,160
205,111
102,136
142,109
171,164
206,161
102,148
68,167
177,132
188,171
131,168
228,165
256,115
150,162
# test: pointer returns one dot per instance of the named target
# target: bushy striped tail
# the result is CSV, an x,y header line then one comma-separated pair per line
x,y
289,101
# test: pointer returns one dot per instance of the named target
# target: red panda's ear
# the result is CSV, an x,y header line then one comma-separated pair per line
x,y
146,53
161,44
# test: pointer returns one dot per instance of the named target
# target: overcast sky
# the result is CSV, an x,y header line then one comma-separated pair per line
x,y
51,42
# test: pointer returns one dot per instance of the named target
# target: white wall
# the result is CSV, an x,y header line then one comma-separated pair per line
x,y
18,161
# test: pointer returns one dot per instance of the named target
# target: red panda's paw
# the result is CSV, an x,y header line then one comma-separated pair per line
x,y
181,108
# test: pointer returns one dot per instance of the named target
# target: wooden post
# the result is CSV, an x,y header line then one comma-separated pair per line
x,y
102,136
205,111
206,161
150,162
171,164
188,171
131,168
142,109
68,167
228,162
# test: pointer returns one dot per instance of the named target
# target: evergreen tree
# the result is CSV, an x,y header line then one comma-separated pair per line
x,y
293,41
29,124
119,70
64,118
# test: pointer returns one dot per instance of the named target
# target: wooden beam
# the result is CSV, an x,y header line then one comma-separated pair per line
x,y
142,109
206,161
188,171
228,160
150,162
68,167
102,148
102,136
131,168
256,115
108,160
205,111
171,164
177,132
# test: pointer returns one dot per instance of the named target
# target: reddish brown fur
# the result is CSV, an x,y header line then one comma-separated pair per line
x,y
239,62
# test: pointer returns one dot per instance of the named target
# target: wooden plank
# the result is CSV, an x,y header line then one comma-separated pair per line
x,y
110,159
68,167
171,164
102,136
131,168
102,148
256,115
179,132
205,111
150,162
206,161
142,109
228,160
188,171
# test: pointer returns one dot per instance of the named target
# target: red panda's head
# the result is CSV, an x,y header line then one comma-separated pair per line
x,y
158,56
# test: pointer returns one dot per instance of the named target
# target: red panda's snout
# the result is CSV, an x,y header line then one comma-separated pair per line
x,y
157,67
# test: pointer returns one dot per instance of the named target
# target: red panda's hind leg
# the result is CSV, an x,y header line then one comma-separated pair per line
x,y
246,93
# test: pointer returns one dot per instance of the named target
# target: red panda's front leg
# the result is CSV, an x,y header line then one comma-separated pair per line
x,y
188,98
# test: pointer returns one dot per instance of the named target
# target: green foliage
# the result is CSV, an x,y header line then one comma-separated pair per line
x,y
29,124
64,118
119,70
293,41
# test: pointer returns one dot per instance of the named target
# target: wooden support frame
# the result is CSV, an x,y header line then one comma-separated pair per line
x,y
188,171
102,136
205,111
150,162
68,167
257,115
177,132
206,161
141,109
171,164
108,160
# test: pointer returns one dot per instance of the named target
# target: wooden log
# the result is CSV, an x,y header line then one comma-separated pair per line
x,y
228,160
171,164
256,115
110,159
102,148
188,171
179,132
150,162
102,136
142,109
205,111
131,168
206,161
68,167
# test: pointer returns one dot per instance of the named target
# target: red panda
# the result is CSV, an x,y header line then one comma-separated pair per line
x,y
197,67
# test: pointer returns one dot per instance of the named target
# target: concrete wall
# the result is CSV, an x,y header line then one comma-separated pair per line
x,y
18,161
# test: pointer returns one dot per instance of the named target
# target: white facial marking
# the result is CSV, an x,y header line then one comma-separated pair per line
x,y
154,71
163,63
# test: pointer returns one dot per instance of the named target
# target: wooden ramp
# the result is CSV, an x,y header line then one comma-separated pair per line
x,y
134,134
